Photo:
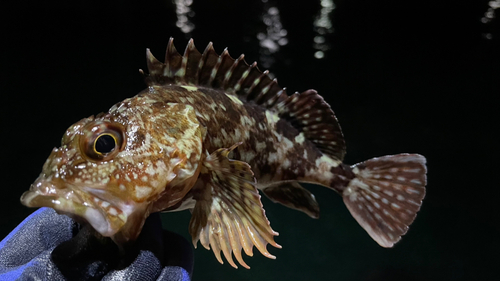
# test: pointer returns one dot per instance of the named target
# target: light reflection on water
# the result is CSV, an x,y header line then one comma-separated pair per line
x,y
489,15
274,37
323,26
184,13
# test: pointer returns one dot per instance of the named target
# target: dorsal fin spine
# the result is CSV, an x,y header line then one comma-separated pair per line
x,y
243,77
230,72
205,57
225,65
205,53
263,92
182,71
307,111
172,59
168,58
272,101
200,67
293,98
215,69
256,82
227,76
152,63
281,106
193,59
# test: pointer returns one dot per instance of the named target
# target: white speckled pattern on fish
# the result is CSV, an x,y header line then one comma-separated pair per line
x,y
207,134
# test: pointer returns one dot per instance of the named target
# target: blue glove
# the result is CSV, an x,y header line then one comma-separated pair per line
x,y
48,246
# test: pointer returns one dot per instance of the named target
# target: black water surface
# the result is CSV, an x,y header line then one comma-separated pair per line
x,y
401,76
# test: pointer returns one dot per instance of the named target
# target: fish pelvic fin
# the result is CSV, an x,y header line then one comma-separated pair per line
x,y
386,194
293,195
228,214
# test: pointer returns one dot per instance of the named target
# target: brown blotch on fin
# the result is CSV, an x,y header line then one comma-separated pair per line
x,y
294,196
228,215
307,112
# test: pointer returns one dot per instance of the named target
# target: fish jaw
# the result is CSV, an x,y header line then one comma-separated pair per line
x,y
105,217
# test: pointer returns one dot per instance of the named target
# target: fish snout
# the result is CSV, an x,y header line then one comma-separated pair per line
x,y
105,218
46,193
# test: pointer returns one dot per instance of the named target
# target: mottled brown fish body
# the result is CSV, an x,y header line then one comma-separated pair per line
x,y
275,149
206,135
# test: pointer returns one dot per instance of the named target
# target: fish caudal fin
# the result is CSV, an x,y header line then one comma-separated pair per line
x,y
386,195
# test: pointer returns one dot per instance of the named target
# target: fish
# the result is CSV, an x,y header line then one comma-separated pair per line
x,y
209,134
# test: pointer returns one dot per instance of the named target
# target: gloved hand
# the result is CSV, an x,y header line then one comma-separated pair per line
x,y
48,246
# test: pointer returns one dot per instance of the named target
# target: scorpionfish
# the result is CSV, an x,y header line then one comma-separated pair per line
x,y
207,134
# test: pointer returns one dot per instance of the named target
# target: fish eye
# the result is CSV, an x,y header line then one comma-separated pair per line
x,y
101,140
105,143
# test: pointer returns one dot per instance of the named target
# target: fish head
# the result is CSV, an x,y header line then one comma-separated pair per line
x,y
112,169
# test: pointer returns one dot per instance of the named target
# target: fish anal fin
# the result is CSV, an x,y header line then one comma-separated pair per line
x,y
293,195
228,215
386,195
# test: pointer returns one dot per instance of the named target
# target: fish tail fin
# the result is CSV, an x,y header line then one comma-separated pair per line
x,y
386,194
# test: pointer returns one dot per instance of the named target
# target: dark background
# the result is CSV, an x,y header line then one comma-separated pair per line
x,y
401,76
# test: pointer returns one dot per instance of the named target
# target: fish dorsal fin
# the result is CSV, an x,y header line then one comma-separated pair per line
x,y
307,112
228,214
234,76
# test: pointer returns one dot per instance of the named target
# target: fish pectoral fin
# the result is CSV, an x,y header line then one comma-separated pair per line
x,y
228,214
293,195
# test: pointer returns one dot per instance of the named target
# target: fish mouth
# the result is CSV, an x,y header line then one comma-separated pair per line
x,y
104,217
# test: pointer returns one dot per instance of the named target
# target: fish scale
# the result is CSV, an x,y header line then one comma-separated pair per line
x,y
207,134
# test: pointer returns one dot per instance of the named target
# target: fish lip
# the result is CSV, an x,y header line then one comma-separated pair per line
x,y
42,193
71,200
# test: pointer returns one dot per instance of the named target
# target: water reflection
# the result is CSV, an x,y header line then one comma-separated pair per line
x,y
184,13
274,37
323,26
490,15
